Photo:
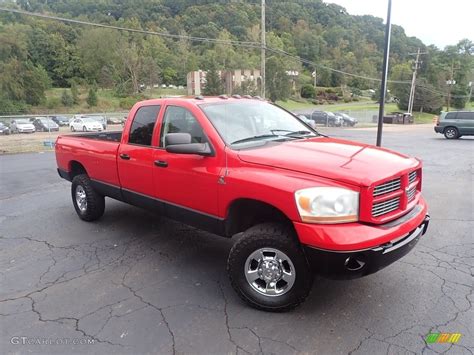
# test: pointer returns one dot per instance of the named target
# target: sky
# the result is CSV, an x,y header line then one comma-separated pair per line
x,y
438,22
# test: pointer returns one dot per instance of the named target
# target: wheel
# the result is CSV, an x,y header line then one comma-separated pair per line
x,y
73,129
88,203
268,269
451,133
84,129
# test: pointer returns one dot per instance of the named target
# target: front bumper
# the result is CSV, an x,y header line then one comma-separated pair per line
x,y
354,250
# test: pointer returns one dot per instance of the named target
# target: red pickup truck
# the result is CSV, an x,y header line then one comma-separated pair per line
x,y
296,201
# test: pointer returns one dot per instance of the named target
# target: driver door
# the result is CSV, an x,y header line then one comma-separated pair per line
x,y
186,183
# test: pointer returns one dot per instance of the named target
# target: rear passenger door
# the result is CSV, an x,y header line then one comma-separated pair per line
x,y
466,122
135,156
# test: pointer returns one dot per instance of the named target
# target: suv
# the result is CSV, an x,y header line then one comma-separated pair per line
x,y
325,118
455,124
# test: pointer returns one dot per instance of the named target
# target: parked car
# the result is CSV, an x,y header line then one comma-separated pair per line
x,y
4,129
61,120
306,120
455,124
85,124
347,120
114,120
44,124
22,125
101,119
297,202
325,118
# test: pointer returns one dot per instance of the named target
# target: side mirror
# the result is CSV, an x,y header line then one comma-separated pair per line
x,y
180,143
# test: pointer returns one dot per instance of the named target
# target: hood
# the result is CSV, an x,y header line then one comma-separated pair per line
x,y
25,125
350,162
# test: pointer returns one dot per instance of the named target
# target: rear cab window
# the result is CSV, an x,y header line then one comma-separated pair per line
x,y
141,130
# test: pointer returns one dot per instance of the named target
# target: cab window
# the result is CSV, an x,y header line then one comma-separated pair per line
x,y
141,131
180,120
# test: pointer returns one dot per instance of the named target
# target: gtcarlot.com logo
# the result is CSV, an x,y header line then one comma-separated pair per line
x,y
22,340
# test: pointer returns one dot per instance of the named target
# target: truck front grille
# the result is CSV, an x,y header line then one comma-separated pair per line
x,y
387,187
412,177
384,207
411,194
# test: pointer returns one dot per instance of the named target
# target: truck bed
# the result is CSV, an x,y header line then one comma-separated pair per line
x,y
114,136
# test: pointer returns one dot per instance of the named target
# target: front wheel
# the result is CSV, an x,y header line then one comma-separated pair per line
x,y
268,269
73,129
84,129
88,204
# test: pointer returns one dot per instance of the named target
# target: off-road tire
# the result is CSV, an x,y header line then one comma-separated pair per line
x,y
275,236
95,201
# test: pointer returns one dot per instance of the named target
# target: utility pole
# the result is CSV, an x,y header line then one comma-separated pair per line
x,y
263,46
450,83
383,85
416,66
314,74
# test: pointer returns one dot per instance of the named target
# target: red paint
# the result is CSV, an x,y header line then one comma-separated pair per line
x,y
270,174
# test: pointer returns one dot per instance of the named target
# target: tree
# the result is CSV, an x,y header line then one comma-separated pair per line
x,y
74,93
66,98
459,97
277,82
213,81
92,97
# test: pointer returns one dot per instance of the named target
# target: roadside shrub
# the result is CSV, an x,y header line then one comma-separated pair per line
x,y
127,102
308,91
66,98
92,97
53,102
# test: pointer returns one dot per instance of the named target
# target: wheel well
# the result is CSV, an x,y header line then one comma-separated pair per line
x,y
245,213
76,168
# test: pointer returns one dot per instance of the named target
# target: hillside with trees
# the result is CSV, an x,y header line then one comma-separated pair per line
x,y
37,54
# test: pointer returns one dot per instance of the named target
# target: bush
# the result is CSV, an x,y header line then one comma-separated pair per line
x,y
92,97
53,102
67,99
75,93
127,102
308,91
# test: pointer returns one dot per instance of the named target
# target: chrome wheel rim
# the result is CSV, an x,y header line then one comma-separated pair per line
x,y
450,133
270,272
81,198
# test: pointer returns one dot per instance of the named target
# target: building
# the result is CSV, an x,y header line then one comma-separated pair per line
x,y
232,79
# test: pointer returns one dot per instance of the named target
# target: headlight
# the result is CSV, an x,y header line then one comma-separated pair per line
x,y
327,205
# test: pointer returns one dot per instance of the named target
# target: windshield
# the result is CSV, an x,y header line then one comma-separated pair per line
x,y
47,121
246,120
88,120
22,121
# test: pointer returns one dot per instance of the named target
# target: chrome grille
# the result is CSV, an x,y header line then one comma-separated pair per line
x,y
411,193
384,207
387,187
412,177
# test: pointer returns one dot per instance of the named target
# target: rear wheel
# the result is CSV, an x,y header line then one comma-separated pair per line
x,y
451,133
88,204
73,129
268,269
84,128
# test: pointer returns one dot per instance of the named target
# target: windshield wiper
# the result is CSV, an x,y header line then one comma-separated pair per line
x,y
293,134
248,139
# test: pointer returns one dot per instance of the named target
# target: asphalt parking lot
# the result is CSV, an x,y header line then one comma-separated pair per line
x,y
137,283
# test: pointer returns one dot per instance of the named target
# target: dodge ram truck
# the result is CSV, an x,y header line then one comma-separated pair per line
x,y
296,201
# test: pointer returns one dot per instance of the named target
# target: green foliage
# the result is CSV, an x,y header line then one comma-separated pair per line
x,y
53,102
277,82
74,93
92,97
213,81
308,91
459,97
426,98
66,98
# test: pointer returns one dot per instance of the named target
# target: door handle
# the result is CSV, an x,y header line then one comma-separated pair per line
x,y
161,163
125,156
